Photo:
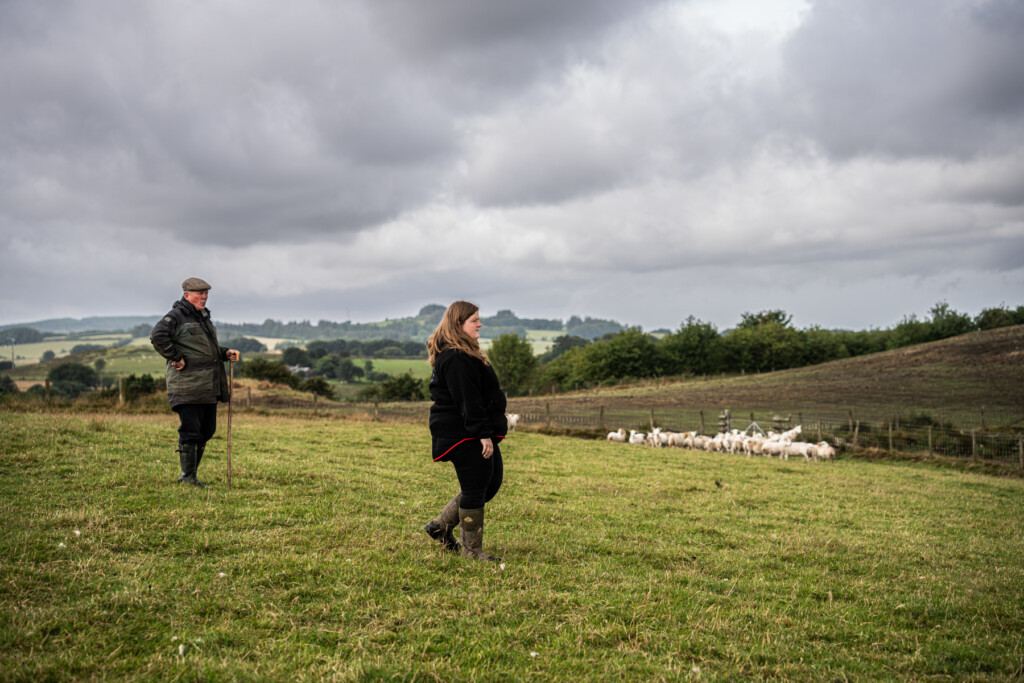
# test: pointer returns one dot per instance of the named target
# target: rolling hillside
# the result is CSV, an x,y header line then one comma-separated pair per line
x,y
957,376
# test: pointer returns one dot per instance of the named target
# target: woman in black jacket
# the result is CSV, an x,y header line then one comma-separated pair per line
x,y
467,420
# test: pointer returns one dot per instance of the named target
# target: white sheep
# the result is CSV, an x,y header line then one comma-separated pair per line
x,y
796,448
618,437
826,451
636,437
513,420
791,434
754,445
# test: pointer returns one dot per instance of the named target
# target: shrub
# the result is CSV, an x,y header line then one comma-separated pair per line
x,y
135,387
403,387
247,345
8,386
318,386
261,368
85,348
75,373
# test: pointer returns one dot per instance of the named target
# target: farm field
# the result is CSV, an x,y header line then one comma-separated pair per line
x,y
619,563
30,354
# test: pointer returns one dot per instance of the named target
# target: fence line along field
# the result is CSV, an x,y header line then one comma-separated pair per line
x,y
618,563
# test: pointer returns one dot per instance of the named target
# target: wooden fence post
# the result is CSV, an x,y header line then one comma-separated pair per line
x,y
120,391
974,445
851,419
702,422
547,415
819,430
983,417
47,385
856,431
890,436
601,419
929,440
652,419
248,397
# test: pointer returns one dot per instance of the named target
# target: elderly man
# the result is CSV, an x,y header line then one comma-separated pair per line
x,y
196,379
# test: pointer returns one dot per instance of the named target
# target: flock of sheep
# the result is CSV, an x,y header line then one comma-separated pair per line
x,y
771,444
782,445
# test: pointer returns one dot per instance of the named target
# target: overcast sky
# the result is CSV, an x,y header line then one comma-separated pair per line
x,y
848,161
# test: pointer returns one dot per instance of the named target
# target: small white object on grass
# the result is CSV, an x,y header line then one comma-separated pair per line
x,y
533,654
181,650
77,532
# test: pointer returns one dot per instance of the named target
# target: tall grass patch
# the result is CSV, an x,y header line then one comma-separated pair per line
x,y
619,563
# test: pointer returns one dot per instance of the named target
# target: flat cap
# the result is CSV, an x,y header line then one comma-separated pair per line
x,y
194,284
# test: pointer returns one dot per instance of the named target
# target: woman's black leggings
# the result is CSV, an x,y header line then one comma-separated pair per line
x,y
479,478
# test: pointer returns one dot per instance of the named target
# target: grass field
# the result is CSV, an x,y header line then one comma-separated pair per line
x,y
30,354
619,563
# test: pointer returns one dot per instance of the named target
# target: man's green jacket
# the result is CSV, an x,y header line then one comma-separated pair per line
x,y
187,332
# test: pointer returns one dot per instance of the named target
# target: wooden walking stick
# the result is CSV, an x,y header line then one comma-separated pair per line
x,y
231,390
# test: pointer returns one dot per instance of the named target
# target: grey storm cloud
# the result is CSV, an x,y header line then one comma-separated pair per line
x,y
913,78
380,150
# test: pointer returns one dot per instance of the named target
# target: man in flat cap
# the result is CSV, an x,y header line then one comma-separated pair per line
x,y
196,379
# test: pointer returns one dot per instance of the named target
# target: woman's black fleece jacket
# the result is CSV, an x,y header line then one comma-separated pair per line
x,y
468,401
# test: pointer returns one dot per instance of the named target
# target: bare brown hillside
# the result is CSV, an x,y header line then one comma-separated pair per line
x,y
958,376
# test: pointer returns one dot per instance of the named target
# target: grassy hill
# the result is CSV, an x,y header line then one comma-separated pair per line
x,y
959,377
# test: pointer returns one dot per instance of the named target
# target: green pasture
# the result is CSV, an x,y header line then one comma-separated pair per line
x,y
620,563
541,340
29,354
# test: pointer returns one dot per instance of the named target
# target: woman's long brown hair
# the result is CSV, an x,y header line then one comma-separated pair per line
x,y
449,333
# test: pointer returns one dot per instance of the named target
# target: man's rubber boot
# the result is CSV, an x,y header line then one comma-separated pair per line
x,y
471,528
183,462
440,528
189,455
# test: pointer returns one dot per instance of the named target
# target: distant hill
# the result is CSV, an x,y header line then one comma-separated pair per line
x,y
411,328
114,323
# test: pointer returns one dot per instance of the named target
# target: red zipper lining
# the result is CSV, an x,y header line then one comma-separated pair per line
x,y
459,443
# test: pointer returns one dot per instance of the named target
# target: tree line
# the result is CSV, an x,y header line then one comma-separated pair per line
x,y
761,342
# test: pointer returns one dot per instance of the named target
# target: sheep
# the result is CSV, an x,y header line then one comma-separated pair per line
x,y
826,451
618,437
791,434
796,448
654,438
636,437
513,420
681,439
